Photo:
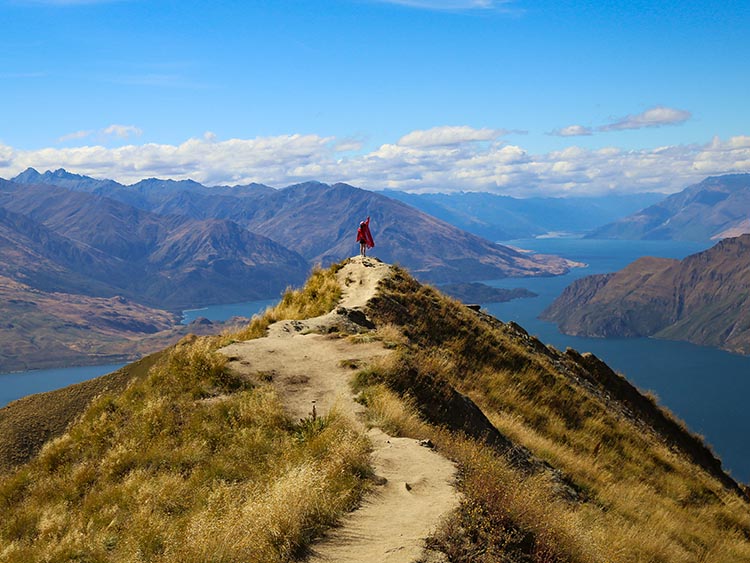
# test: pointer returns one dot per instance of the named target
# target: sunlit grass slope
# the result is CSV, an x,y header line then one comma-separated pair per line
x,y
189,463
640,495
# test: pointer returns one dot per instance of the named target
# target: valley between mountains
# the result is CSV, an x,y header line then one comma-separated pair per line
x,y
162,246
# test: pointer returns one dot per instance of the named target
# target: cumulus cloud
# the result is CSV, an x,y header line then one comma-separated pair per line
x,y
657,116
449,135
349,144
572,131
418,166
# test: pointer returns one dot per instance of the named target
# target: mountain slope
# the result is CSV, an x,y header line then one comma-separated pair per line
x,y
40,329
319,222
161,260
560,459
318,219
33,254
704,299
715,208
498,217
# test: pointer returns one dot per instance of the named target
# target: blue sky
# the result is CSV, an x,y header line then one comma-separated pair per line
x,y
521,97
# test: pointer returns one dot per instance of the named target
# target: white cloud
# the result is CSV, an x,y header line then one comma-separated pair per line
x,y
427,166
103,135
122,131
657,116
572,131
75,136
448,135
349,144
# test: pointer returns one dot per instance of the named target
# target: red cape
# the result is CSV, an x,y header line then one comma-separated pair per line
x,y
363,233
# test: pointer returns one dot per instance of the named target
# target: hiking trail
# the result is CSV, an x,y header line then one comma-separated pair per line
x,y
311,368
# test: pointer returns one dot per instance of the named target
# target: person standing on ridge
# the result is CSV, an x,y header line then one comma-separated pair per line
x,y
364,237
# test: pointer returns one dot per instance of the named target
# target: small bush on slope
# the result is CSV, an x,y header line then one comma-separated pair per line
x,y
188,464
643,500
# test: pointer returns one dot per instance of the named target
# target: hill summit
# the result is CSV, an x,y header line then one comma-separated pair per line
x,y
417,426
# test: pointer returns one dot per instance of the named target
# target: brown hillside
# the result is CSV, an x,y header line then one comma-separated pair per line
x,y
218,452
704,299
28,423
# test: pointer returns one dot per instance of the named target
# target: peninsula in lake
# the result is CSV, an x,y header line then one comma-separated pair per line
x,y
704,299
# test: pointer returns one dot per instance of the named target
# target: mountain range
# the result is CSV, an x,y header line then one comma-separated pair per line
x,y
704,299
497,217
60,240
165,245
318,221
716,208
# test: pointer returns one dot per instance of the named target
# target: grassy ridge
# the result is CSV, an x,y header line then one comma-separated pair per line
x,y
642,500
23,431
318,296
187,463
190,463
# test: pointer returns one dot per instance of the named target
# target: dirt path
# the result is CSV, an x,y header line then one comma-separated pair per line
x,y
310,368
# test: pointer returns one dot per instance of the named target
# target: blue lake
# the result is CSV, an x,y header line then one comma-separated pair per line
x,y
707,388
16,385
226,312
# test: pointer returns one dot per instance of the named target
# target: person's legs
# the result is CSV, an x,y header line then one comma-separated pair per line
x,y
362,249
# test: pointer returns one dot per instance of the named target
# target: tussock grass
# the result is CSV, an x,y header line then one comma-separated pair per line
x,y
26,424
642,500
189,463
318,296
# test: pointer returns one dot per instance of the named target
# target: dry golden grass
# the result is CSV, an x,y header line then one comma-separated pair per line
x,y
26,424
642,500
189,463
319,295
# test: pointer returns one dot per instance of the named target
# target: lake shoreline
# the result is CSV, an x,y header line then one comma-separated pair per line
x,y
704,386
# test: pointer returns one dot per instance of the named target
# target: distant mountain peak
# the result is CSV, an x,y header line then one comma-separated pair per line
x,y
33,175
711,209
62,173
27,176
